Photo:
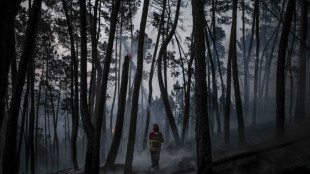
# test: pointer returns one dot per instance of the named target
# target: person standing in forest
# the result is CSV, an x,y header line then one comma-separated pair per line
x,y
156,138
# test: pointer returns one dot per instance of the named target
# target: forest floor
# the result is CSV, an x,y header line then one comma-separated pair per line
x,y
263,154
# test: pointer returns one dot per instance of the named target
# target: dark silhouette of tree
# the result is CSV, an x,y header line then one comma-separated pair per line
x,y
8,11
235,74
256,11
163,90
280,84
301,90
100,103
135,96
85,114
75,103
228,94
120,116
203,149
9,164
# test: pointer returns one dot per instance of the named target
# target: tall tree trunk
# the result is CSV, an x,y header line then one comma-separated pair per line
x,y
85,114
228,93
99,108
301,89
22,125
9,165
203,149
256,60
37,119
148,115
135,97
115,88
280,85
32,116
120,116
163,89
8,11
235,75
75,104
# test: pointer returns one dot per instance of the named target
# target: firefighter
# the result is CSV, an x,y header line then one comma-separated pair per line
x,y
156,138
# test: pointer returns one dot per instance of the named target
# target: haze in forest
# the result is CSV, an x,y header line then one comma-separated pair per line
x,y
212,86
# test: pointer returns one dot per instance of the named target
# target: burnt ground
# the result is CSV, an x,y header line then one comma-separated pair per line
x,y
263,154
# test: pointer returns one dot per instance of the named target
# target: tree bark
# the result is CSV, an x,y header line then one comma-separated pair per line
x,y
203,148
280,84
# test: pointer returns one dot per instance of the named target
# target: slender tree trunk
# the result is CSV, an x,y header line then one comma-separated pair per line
x,y
9,165
228,93
256,60
301,89
235,75
115,88
74,105
85,114
280,85
99,109
163,89
22,125
203,149
120,116
32,116
135,97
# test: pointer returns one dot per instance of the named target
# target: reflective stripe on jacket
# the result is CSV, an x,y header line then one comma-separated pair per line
x,y
156,138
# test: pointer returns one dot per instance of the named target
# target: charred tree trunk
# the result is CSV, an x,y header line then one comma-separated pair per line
x,y
120,116
203,149
280,85
9,165
135,97
301,89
